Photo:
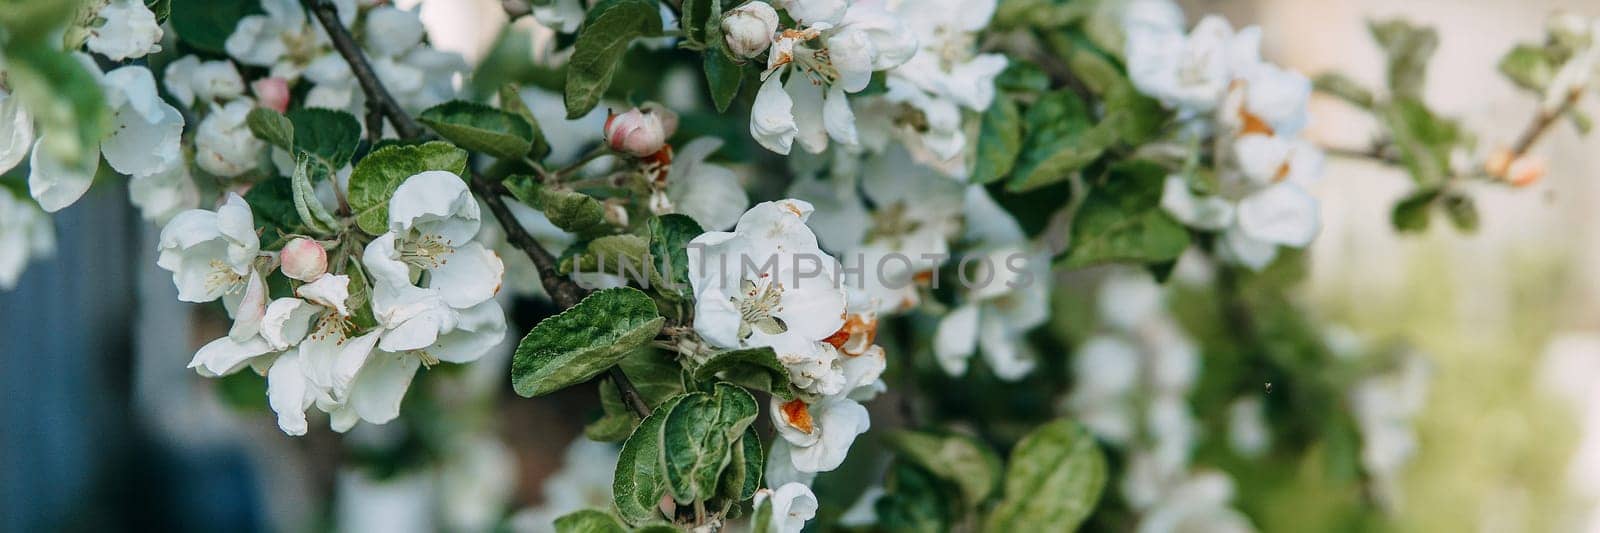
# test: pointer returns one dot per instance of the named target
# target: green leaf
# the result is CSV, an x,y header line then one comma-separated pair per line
x,y
160,8
959,460
32,21
723,76
511,100
637,485
1529,67
1096,72
271,126
480,128
669,252
695,13
698,437
377,175
742,478
589,521
999,141
624,255
61,95
328,134
1423,139
1411,214
583,341
1023,77
914,501
1061,460
1056,145
608,29
272,203
1463,212
746,363
1345,88
313,215
1408,48
569,210
206,24
1134,117
1122,221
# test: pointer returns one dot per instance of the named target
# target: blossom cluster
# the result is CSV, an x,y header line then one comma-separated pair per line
x,y
1214,77
346,334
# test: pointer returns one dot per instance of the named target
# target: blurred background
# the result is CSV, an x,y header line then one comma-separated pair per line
x,y
103,427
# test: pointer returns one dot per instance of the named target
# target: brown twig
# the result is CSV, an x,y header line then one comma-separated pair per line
x,y
346,45
565,292
1541,123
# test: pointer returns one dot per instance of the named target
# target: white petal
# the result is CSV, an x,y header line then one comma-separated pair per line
x,y
892,42
789,507
807,99
178,78
716,320
390,31
161,196
328,290
1262,157
237,224
1006,351
838,119
54,183
851,53
225,356
289,394
839,421
1281,214
1239,248
252,307
136,147
435,203
478,329
256,41
811,12
286,322
957,339
469,276
332,361
772,121
16,132
1203,212
381,385
708,193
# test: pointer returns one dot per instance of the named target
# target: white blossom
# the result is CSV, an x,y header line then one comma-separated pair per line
x,y
193,81
819,434
790,506
224,145
706,192
162,195
210,252
129,31
16,132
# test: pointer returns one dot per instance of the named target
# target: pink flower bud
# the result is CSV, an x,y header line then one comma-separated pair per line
x,y
639,133
272,93
303,259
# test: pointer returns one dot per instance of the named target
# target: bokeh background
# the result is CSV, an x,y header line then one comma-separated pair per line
x,y
102,427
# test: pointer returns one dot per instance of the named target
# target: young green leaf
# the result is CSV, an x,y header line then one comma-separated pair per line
x,y
1055,477
272,127
669,252
742,478
698,437
1529,67
1345,88
378,174
589,521
1123,221
570,210
608,29
480,128
511,100
959,460
1057,144
742,364
312,214
1408,48
1463,212
1423,138
637,485
583,341
624,254
999,141
328,134
723,75
1411,214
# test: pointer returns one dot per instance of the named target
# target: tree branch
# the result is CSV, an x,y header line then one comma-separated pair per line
x,y
1541,123
565,292
347,48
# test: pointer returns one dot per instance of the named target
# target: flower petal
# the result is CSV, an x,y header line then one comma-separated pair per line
x,y
772,121
56,184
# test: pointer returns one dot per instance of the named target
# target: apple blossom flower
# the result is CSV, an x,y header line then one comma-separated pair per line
x,y
143,139
303,259
283,39
1189,72
995,318
749,28
787,508
819,434
946,65
129,31
1262,205
639,133
224,145
25,233
391,31
193,81
210,253
839,47
16,132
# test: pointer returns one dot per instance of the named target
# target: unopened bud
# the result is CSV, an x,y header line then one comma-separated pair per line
x,y
272,93
748,29
616,213
1526,170
303,259
637,133
1498,163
